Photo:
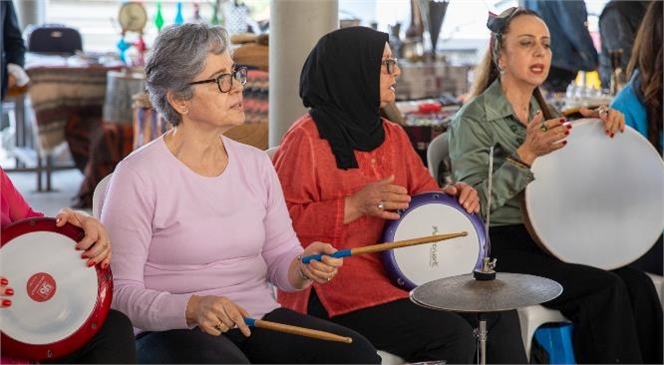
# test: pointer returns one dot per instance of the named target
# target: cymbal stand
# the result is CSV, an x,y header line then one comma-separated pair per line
x,y
481,333
486,272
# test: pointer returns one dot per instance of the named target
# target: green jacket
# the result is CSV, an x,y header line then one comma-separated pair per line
x,y
488,120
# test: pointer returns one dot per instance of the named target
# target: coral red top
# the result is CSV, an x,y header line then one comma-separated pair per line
x,y
315,190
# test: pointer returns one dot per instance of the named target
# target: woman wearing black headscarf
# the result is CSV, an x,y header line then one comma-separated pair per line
x,y
345,171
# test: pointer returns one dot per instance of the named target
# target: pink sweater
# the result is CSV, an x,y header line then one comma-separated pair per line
x,y
176,233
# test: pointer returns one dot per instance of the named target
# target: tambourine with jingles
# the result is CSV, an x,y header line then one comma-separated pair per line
x,y
59,303
598,201
429,214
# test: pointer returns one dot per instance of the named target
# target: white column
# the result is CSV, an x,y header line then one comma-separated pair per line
x,y
295,27
30,12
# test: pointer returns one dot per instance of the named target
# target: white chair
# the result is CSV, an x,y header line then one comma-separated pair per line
x,y
271,151
437,151
534,316
390,359
99,195
531,318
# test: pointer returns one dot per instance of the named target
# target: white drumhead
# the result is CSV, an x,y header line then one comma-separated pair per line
x,y
54,291
598,201
424,263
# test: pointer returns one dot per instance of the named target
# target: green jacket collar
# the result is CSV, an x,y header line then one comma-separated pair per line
x,y
497,107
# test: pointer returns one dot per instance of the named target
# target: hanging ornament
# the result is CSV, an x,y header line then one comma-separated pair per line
x,y
215,17
141,48
158,18
132,17
123,46
179,19
197,12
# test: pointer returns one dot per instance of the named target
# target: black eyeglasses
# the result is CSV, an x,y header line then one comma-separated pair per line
x,y
225,81
390,64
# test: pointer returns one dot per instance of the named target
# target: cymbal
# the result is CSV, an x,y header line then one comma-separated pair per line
x,y
463,293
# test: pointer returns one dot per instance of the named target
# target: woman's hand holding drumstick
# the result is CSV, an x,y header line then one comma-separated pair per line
x,y
216,315
387,246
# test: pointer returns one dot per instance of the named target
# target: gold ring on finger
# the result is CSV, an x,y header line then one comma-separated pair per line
x,y
218,325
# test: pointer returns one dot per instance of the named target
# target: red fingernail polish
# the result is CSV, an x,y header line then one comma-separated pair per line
x,y
569,126
9,291
104,265
4,281
612,134
562,120
6,303
91,263
566,133
84,256
607,132
564,143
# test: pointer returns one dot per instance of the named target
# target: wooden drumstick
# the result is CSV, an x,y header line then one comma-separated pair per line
x,y
387,246
306,332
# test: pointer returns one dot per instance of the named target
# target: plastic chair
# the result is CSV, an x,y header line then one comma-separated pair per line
x,y
99,195
556,340
271,151
438,151
531,318
390,359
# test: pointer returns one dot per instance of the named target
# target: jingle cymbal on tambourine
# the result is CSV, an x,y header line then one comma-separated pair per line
x,y
463,293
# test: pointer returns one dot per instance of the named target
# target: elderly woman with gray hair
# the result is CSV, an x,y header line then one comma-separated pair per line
x,y
201,228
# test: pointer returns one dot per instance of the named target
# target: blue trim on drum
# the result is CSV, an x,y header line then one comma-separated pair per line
x,y
393,270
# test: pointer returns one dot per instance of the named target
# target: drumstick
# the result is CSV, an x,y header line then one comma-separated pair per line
x,y
386,246
306,332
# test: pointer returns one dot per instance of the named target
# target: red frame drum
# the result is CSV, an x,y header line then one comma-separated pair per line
x,y
59,303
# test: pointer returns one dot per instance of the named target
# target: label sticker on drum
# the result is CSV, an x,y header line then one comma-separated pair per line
x,y
41,287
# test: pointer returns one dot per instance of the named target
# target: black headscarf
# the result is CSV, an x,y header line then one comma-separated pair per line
x,y
340,82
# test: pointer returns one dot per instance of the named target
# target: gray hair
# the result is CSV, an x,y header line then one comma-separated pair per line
x,y
178,55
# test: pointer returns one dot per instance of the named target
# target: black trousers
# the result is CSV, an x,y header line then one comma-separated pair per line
x,y
193,346
418,334
113,344
617,314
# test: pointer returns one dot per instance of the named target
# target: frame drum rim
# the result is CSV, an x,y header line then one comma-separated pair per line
x,y
397,274
14,343
628,229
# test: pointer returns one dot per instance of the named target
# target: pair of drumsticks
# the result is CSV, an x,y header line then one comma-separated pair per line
x,y
322,335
